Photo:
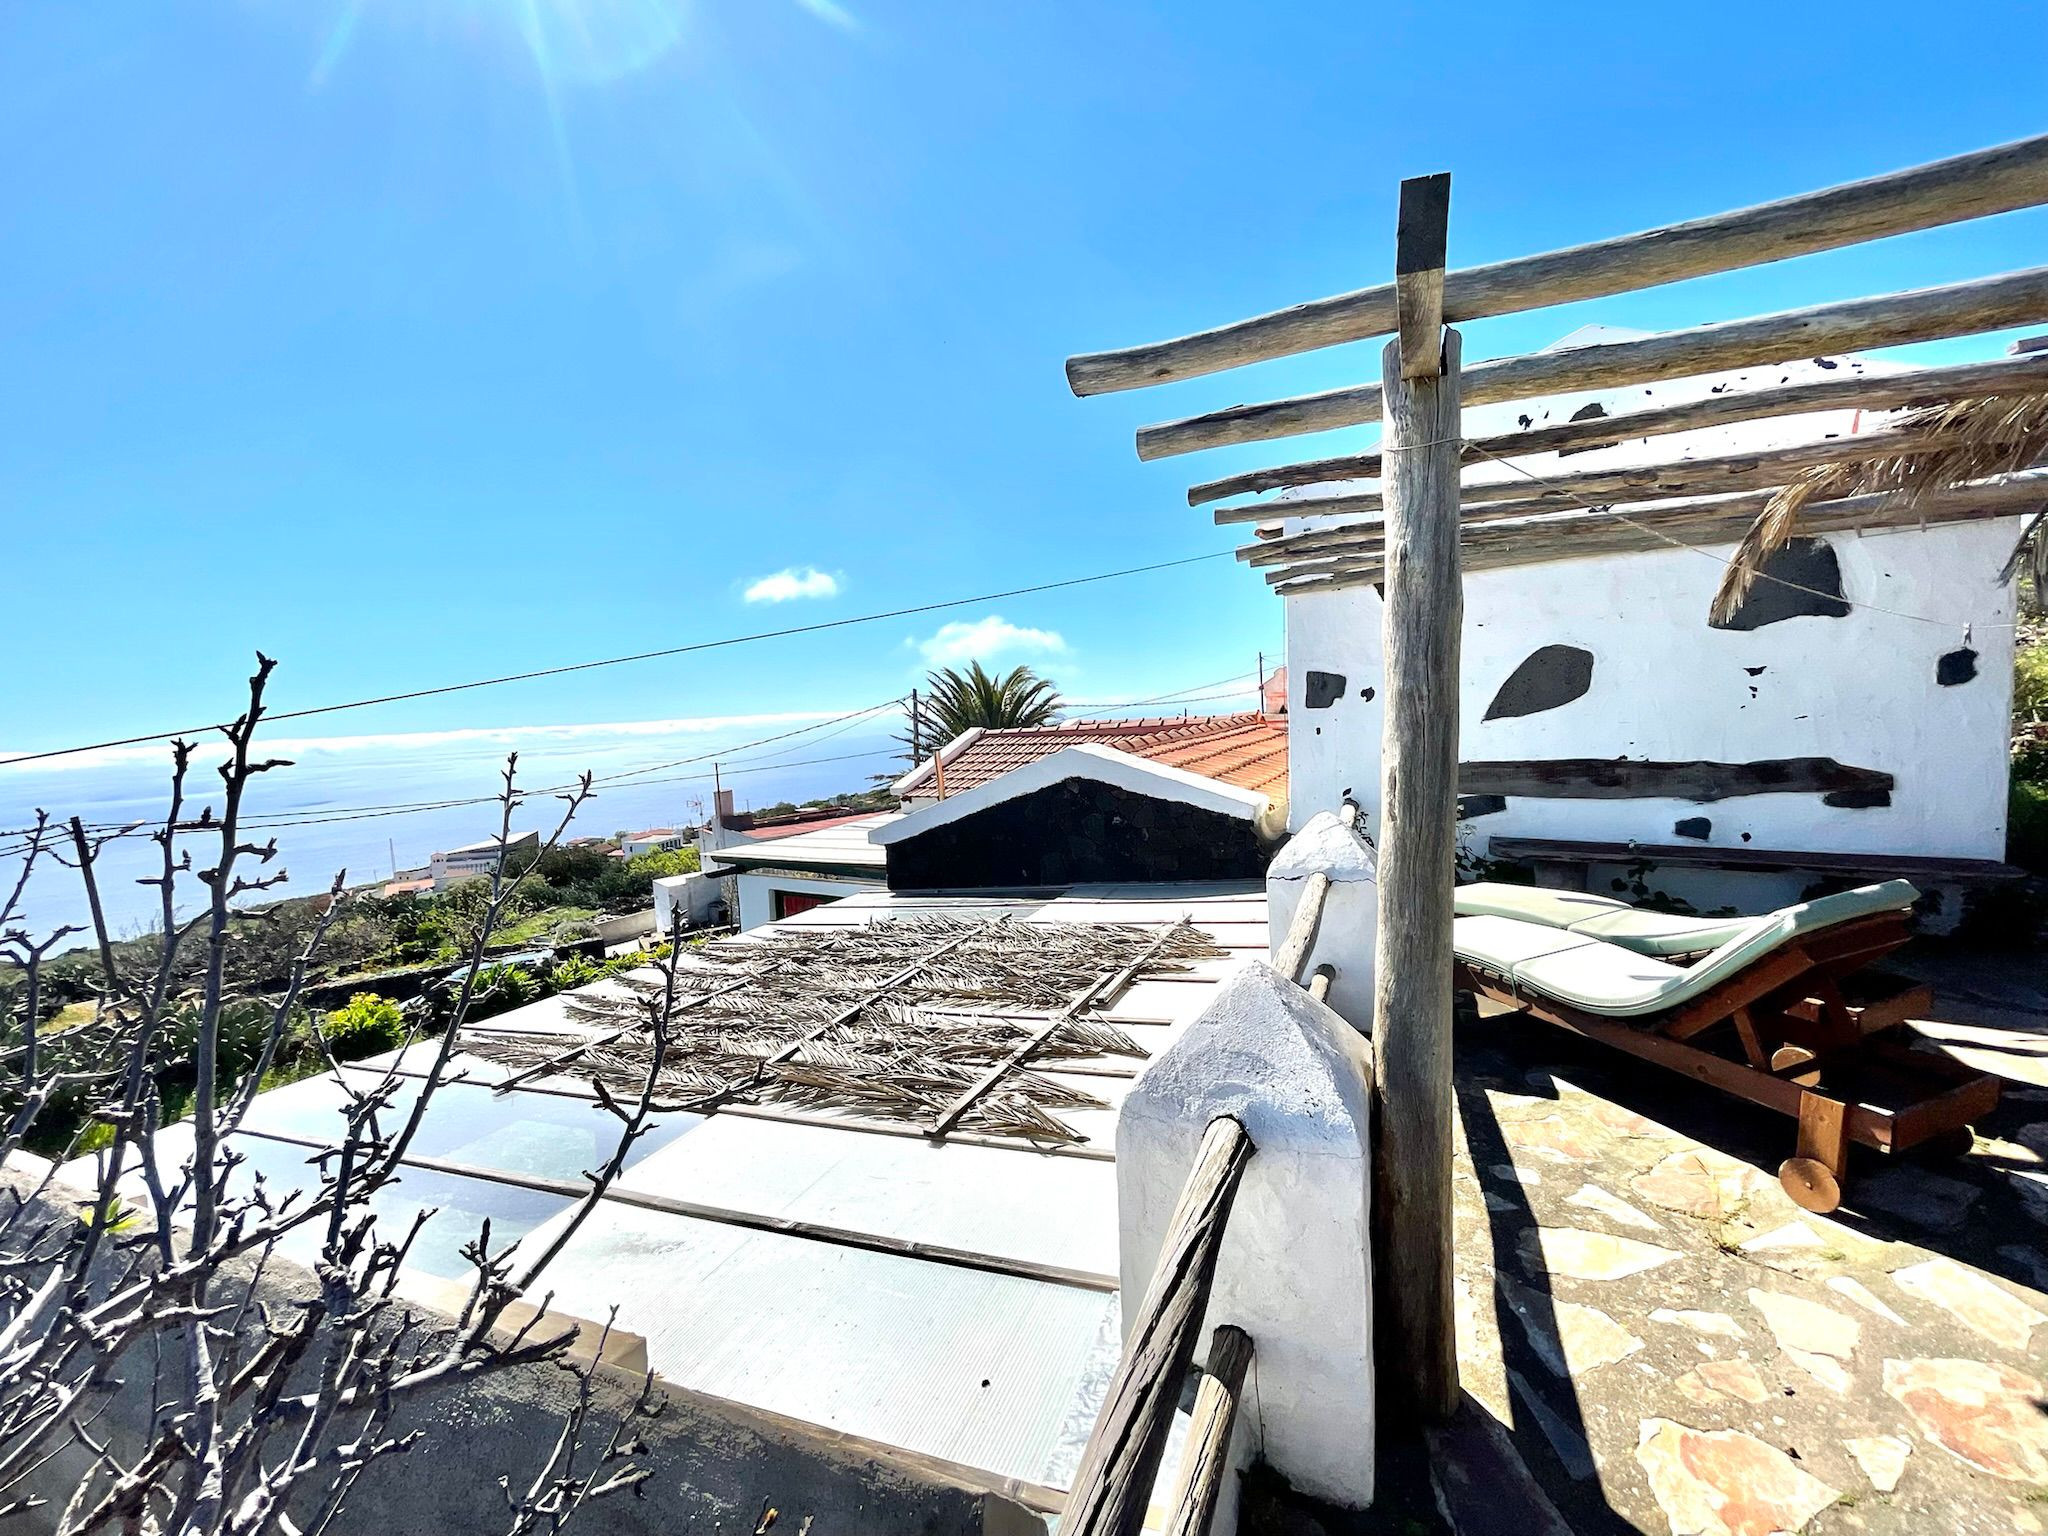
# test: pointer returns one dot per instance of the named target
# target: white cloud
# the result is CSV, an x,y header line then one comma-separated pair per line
x,y
958,643
795,581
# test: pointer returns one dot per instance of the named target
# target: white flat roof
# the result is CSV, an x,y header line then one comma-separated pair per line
x,y
955,1297
844,845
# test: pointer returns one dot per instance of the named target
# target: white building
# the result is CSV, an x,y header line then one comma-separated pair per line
x,y
472,860
1857,705
781,873
656,840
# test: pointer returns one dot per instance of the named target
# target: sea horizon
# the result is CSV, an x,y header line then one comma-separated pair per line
x,y
375,804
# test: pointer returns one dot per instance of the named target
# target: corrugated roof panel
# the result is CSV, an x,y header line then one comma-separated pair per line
x,y
978,1368
1058,1210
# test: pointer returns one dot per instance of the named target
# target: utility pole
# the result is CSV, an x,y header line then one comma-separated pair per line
x,y
916,756
1262,683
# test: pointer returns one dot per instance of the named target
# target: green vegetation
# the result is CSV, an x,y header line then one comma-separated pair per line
x,y
2027,819
958,701
860,800
364,1026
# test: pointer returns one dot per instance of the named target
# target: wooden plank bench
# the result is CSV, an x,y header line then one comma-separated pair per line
x,y
1564,863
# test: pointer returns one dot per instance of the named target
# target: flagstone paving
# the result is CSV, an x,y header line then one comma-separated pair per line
x,y
1677,1348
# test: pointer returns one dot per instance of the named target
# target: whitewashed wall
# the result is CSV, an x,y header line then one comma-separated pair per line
x,y
1860,689
757,892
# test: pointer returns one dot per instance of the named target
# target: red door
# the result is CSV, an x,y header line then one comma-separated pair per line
x,y
789,903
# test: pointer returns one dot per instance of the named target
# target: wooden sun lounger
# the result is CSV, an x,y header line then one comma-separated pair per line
x,y
1801,1033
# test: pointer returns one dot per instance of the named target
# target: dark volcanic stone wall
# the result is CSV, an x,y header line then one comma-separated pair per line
x,y
1074,832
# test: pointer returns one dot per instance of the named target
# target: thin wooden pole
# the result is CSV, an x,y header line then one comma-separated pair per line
x,y
1417,850
1114,1482
1971,186
1419,246
1856,391
1206,1458
1703,522
1886,320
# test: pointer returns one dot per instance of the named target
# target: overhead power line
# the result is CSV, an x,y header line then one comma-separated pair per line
x,y
619,661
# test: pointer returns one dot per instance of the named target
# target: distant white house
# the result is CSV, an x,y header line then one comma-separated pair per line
x,y
471,860
784,872
656,840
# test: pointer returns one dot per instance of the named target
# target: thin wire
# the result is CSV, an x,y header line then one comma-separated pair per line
x,y
128,829
616,661
832,726
401,808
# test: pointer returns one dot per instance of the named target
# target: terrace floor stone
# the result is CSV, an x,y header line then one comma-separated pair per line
x,y
1680,1350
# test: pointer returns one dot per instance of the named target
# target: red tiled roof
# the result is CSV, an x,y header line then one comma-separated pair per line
x,y
1248,750
813,824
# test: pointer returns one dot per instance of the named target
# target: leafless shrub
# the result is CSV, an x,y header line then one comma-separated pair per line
x,y
261,1418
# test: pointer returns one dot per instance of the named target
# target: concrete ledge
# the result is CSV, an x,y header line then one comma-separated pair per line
x,y
714,1465
1345,940
1295,1271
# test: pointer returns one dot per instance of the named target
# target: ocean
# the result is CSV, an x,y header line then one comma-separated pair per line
x,y
330,811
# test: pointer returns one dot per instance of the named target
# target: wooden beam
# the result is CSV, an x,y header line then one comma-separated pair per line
x,y
1205,1459
1699,523
1113,1484
1866,866
1970,186
1420,241
1301,932
1102,988
1700,782
1891,319
1423,623
1844,391
1707,475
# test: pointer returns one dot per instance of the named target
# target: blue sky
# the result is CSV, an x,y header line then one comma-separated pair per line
x,y
416,340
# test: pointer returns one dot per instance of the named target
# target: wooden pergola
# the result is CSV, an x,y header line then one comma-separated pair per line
x,y
1438,502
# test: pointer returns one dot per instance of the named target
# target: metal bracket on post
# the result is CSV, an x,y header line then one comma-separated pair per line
x,y
1420,242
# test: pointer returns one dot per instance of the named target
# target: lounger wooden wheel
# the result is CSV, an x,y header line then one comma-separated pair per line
x,y
1787,1061
1811,1184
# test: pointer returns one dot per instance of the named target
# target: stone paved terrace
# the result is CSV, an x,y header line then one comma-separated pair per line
x,y
1679,1348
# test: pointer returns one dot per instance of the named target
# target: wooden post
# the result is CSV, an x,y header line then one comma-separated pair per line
x,y
1419,248
1113,1484
1418,1364
1206,1460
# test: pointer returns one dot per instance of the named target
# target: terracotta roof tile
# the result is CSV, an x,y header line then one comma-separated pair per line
x,y
1248,750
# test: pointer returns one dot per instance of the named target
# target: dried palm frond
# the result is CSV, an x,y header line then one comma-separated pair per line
x,y
894,1021
1928,450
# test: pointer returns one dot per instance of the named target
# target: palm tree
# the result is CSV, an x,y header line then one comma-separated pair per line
x,y
956,701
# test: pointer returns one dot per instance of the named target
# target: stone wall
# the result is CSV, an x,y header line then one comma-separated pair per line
x,y
1075,831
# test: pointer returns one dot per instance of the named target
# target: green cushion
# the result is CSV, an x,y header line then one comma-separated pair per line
x,y
1605,978
1663,934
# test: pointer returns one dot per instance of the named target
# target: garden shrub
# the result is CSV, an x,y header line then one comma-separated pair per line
x,y
364,1026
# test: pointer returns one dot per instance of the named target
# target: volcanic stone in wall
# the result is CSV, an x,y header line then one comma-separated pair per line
x,y
1695,826
1956,667
1546,679
1857,799
1078,830
1472,806
1801,580
1322,689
